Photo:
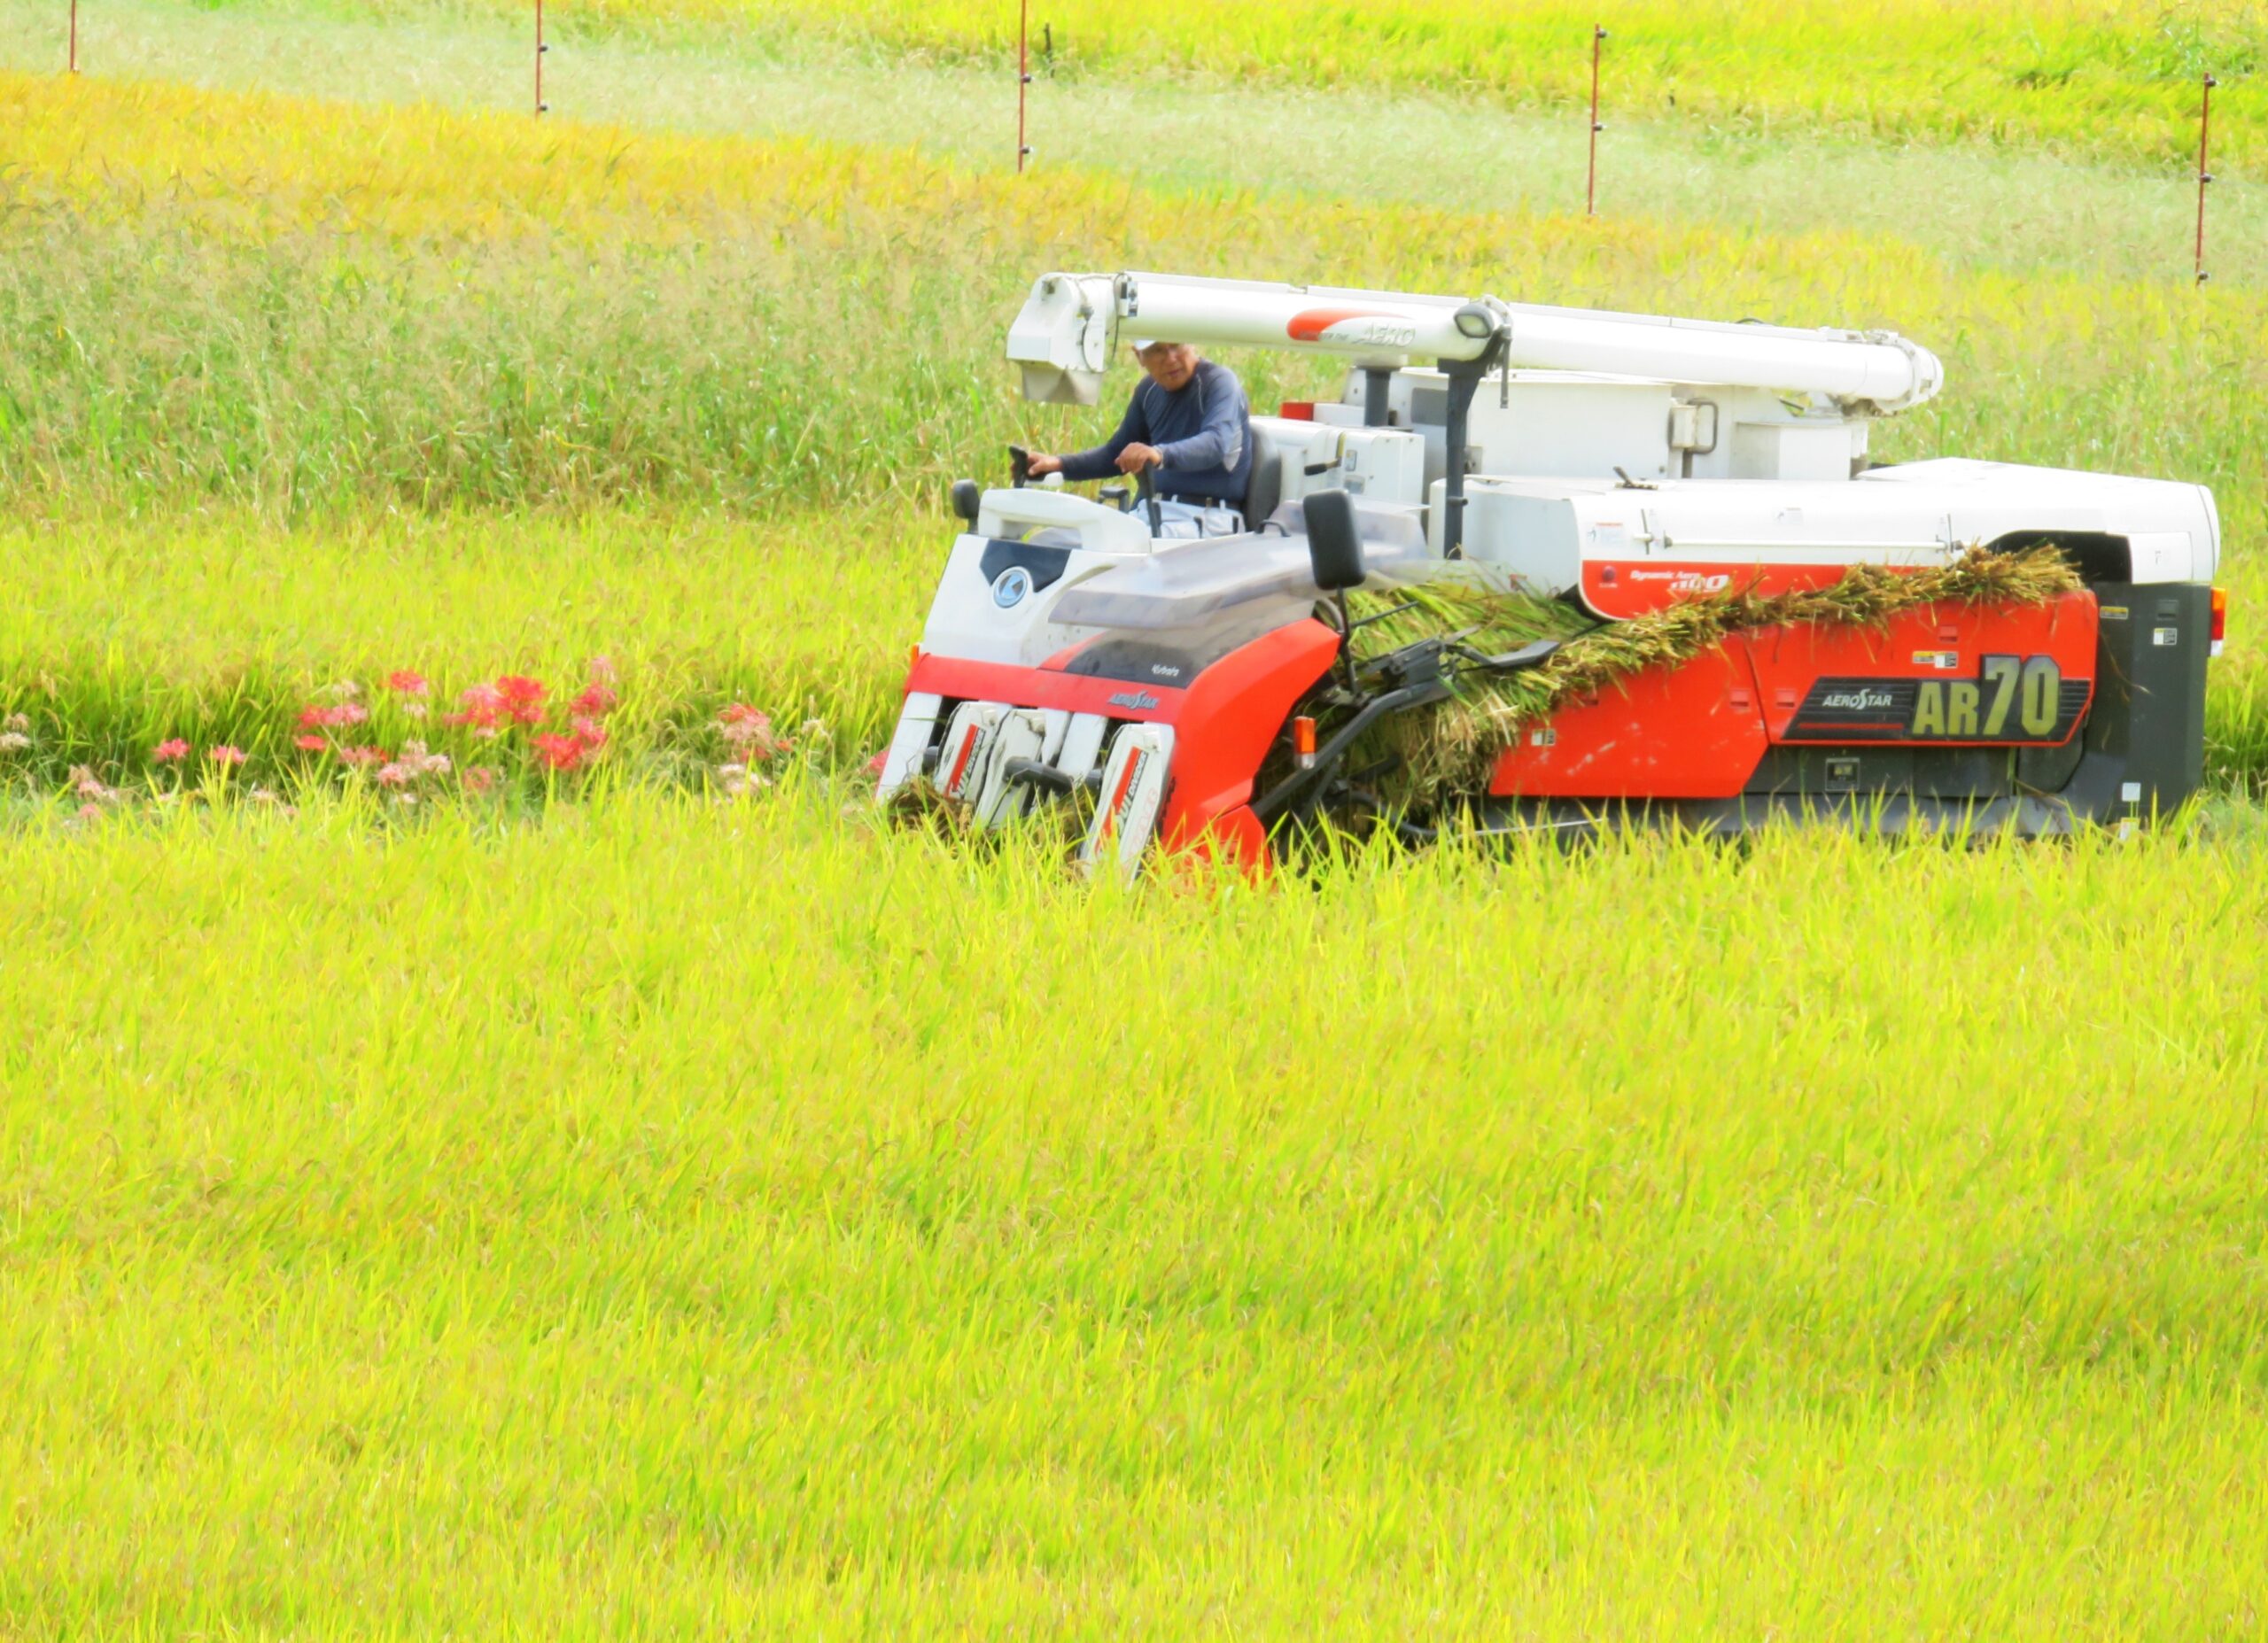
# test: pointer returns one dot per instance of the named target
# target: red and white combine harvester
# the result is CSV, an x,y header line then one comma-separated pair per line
x,y
1196,688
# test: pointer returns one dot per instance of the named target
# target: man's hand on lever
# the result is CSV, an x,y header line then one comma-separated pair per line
x,y
1132,459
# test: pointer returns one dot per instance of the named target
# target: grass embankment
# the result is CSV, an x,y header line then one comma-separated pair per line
x,y
302,311
1966,204
2115,77
676,1218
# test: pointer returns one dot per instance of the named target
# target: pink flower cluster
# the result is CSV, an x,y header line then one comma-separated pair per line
x,y
173,751
488,710
563,735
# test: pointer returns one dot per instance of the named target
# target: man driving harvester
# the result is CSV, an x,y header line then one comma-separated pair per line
x,y
1190,423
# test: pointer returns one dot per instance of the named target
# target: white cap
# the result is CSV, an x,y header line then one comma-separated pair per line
x,y
1142,345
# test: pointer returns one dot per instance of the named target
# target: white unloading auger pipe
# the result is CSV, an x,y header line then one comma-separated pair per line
x,y
1069,325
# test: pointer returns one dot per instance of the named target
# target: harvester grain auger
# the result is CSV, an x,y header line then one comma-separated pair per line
x,y
1695,495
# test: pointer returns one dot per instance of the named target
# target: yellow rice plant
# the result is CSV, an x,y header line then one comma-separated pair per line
x,y
2119,77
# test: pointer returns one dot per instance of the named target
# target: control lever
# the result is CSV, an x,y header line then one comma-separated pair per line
x,y
1150,502
1019,466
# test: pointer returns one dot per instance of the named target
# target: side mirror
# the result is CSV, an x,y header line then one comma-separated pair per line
x,y
1334,544
966,499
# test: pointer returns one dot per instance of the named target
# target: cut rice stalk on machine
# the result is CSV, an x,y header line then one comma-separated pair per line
x,y
1540,567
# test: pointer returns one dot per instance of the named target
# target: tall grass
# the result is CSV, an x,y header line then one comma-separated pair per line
x,y
296,305
680,1218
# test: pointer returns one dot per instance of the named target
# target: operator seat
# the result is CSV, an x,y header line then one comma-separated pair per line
x,y
1265,489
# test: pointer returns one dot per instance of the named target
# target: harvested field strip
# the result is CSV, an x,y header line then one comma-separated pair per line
x,y
2106,76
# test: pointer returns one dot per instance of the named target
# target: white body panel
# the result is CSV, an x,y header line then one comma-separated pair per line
x,y
1101,529
917,726
1381,464
1544,531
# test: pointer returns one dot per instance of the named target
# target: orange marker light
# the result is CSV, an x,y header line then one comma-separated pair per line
x,y
2220,617
1303,742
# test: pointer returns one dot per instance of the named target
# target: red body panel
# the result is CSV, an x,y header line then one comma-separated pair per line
x,y
1228,717
1223,723
1936,642
1698,732
1685,733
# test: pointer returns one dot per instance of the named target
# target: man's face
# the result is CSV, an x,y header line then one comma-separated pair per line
x,y
1170,364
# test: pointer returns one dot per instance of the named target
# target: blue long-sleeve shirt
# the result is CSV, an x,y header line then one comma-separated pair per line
x,y
1203,430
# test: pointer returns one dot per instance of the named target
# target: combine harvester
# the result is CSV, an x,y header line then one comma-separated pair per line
x,y
1205,693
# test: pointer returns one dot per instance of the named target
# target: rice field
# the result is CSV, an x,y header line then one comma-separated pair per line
x,y
633,1192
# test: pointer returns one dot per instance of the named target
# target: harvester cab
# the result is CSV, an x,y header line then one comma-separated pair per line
x,y
1198,694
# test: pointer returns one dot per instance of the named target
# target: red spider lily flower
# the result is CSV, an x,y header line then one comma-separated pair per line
x,y
748,731
595,702
309,744
362,758
225,756
170,752
875,766
325,718
479,778
602,669
522,698
590,732
402,682
560,752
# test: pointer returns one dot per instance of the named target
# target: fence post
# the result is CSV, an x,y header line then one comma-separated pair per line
x,y
1590,189
2204,173
542,107
1023,79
